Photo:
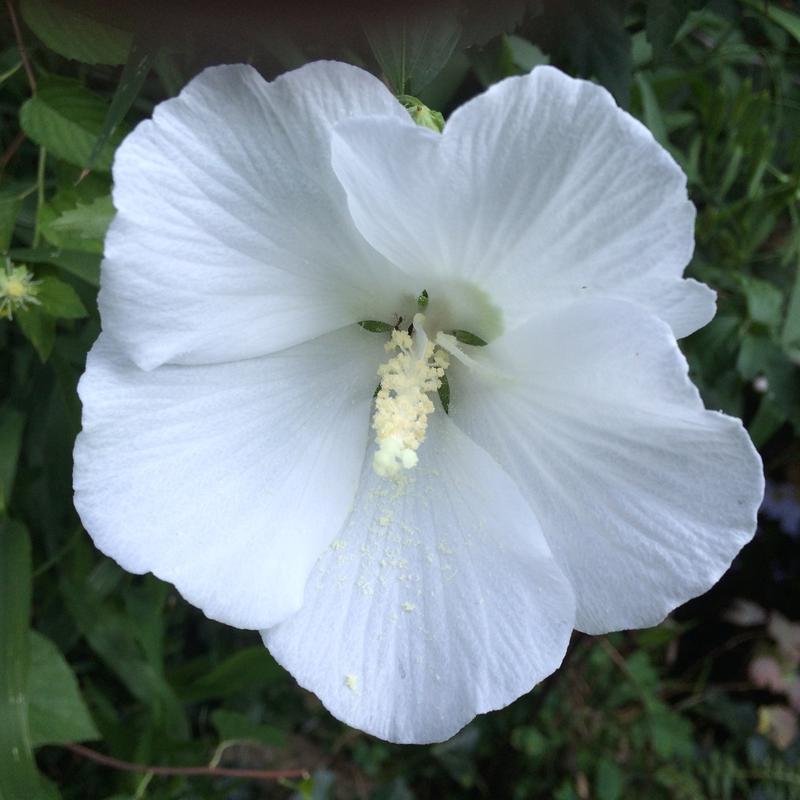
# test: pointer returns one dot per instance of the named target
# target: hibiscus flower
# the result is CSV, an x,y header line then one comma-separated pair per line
x,y
292,471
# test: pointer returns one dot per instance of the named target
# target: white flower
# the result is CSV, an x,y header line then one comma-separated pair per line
x,y
577,481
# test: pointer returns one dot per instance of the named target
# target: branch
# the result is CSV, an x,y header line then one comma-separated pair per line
x,y
23,53
11,150
219,772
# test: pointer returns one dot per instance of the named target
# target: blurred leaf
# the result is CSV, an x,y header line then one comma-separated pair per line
x,y
109,634
10,200
19,779
651,110
12,423
663,19
67,119
789,21
75,35
414,45
598,45
764,301
39,329
85,266
137,67
247,670
791,326
232,725
609,781
56,709
59,299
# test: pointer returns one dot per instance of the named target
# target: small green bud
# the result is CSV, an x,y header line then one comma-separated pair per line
x,y
421,114
422,300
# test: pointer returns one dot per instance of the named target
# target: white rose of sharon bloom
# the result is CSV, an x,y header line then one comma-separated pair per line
x,y
411,567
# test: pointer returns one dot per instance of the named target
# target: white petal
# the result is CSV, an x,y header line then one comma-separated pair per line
x,y
438,601
643,495
541,186
232,237
226,480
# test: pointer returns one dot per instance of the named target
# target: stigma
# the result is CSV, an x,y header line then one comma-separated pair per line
x,y
403,401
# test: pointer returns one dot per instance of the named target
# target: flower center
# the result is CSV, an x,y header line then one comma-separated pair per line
x,y
17,290
403,402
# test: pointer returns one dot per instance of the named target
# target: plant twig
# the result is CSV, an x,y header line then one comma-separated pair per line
x,y
23,53
218,772
11,150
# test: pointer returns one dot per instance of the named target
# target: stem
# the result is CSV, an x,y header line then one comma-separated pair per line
x,y
39,194
11,150
23,53
219,772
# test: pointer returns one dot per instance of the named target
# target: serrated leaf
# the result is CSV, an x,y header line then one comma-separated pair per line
x,y
12,423
75,35
66,119
412,46
59,299
137,66
85,224
56,710
39,329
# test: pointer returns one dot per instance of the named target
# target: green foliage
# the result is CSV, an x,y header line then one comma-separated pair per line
x,y
122,662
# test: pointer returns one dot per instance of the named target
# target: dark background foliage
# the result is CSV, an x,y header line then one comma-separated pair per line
x,y
700,707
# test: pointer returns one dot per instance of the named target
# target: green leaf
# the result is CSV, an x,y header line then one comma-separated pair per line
x,y
19,778
598,44
75,35
249,669
67,222
59,299
789,21
609,780
764,301
67,120
232,725
10,201
137,67
56,710
663,19
39,329
12,423
791,327
85,266
651,110
414,45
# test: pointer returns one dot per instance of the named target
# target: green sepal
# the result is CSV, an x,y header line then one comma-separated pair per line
x,y
421,114
465,337
444,394
375,326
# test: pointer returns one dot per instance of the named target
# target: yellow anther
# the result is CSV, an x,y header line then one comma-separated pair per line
x,y
403,402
